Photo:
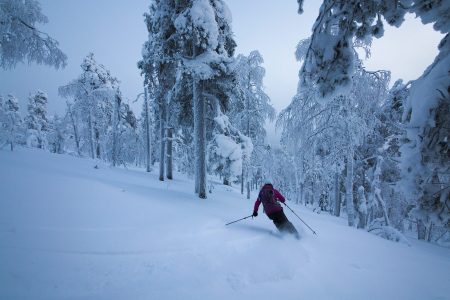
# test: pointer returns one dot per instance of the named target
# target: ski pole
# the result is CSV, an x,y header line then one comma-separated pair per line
x,y
300,219
239,220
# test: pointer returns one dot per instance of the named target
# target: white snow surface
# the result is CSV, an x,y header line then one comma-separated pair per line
x,y
71,231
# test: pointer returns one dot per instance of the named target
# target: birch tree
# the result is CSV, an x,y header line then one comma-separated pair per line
x,y
94,92
251,109
328,67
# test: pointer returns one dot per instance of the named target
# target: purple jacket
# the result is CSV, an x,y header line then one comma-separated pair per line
x,y
270,207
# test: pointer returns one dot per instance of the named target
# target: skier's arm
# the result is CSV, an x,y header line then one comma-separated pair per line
x,y
257,203
277,195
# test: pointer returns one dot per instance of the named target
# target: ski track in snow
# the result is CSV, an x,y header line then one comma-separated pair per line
x,y
70,231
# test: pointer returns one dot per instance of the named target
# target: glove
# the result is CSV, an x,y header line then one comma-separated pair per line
x,y
255,214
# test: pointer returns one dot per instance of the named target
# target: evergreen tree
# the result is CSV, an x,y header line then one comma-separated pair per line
x,y
36,121
206,46
189,49
10,121
159,64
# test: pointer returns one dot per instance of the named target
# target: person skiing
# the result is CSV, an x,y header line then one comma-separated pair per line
x,y
269,197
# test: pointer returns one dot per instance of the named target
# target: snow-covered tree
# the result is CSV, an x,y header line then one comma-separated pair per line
x,y
207,45
96,100
21,39
323,137
158,64
36,121
425,155
228,148
10,121
126,143
250,109
56,134
72,117
188,52
329,57
328,67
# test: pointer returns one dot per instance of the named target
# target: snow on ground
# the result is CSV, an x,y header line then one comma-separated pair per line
x,y
71,231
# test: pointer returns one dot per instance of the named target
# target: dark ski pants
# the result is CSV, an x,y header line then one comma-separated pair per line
x,y
283,224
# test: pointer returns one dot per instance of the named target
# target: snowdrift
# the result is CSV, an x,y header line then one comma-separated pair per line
x,y
71,231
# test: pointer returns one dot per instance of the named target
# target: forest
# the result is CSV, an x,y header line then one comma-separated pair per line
x,y
355,143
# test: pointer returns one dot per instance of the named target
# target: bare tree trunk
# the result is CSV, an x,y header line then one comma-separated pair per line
x,y
147,132
195,96
162,125
97,143
297,185
201,147
75,129
12,136
199,140
169,153
199,132
429,231
349,190
421,230
91,135
115,125
242,177
301,178
380,200
337,198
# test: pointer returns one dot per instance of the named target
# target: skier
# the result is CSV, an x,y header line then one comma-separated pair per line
x,y
269,197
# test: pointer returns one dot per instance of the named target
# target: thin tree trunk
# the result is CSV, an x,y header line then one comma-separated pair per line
x,y
91,135
421,230
242,177
147,132
115,125
162,125
195,96
337,198
97,143
380,200
429,231
349,190
302,178
202,147
11,138
297,185
169,153
75,130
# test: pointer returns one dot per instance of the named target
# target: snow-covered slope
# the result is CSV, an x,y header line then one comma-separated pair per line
x,y
71,231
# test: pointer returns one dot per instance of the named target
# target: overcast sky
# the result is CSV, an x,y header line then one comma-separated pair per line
x,y
114,30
